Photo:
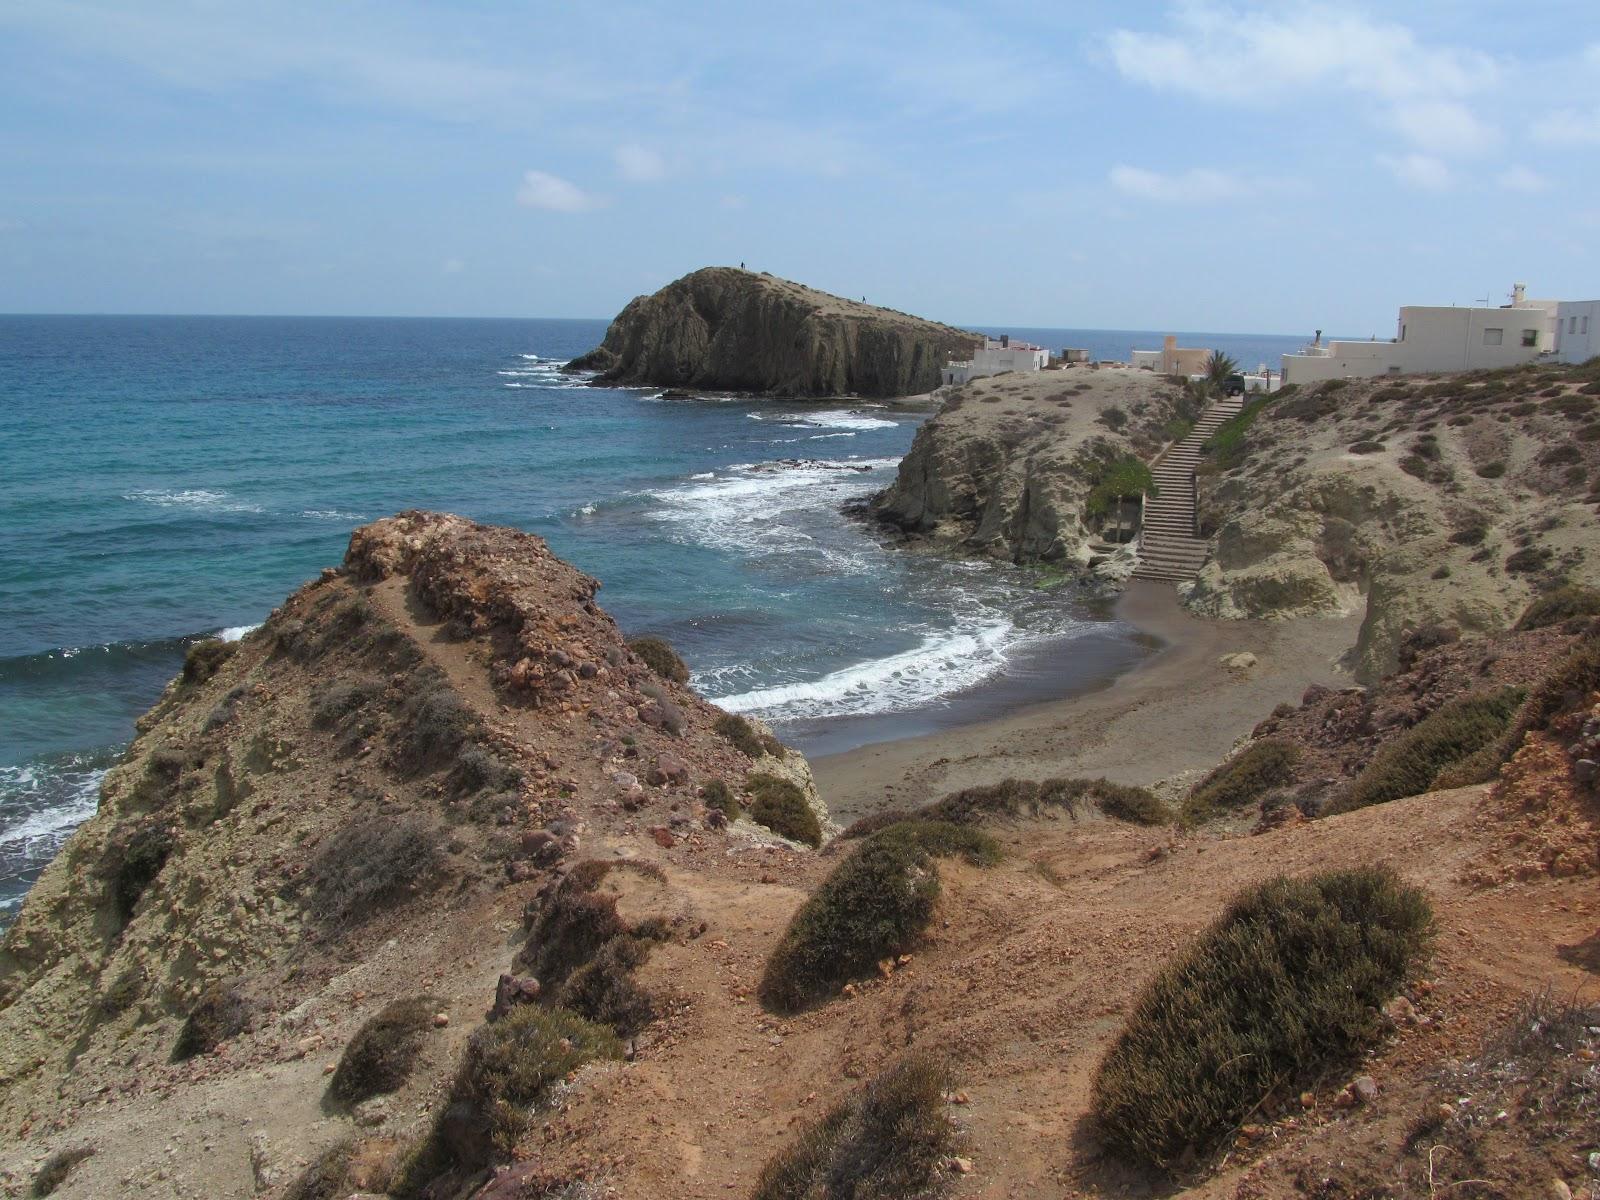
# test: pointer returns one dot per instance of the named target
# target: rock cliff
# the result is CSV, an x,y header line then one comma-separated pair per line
x,y
1005,467
729,329
1417,502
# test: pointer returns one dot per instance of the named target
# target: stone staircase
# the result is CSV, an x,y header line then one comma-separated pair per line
x,y
1169,551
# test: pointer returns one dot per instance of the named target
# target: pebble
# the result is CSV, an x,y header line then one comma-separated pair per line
x,y
440,1020
961,1166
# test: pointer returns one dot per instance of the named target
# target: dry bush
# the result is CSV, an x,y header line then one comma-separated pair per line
x,y
431,728
718,795
660,657
603,990
53,1173
781,806
1285,986
332,702
205,659
1244,779
221,1012
1559,605
1409,763
888,1141
746,738
369,865
135,855
872,906
384,1050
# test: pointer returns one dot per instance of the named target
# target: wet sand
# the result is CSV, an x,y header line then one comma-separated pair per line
x,y
1177,713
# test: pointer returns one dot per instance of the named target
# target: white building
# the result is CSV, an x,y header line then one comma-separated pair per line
x,y
1430,339
995,357
1577,330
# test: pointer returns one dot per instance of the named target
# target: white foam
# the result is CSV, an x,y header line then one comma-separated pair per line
x,y
835,419
940,666
207,499
332,514
234,633
42,831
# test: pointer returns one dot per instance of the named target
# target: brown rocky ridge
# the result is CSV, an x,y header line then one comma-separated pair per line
x,y
728,329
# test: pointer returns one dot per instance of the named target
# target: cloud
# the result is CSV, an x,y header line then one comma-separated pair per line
x,y
453,266
1443,127
637,164
1224,53
1198,186
1522,179
1569,127
554,194
1418,171
732,202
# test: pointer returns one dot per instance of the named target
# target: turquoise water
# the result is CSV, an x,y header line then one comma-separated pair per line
x,y
167,478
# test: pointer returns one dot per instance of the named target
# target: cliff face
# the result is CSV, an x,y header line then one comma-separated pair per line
x,y
735,330
1440,502
1005,467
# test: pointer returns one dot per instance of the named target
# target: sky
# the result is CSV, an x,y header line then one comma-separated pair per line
x,y
1190,166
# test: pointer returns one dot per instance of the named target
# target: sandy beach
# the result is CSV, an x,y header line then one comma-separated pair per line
x,y
1174,715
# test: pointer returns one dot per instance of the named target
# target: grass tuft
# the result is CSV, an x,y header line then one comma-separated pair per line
x,y
1245,778
221,1012
889,1140
1284,986
369,865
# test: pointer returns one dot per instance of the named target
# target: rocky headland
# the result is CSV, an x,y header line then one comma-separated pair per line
x,y
728,329
1006,467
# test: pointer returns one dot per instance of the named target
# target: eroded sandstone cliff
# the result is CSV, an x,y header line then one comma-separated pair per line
x,y
1416,502
1005,467
729,329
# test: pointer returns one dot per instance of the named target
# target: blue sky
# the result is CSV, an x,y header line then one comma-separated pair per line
x,y
1192,166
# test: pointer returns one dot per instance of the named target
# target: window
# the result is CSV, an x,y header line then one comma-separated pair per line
x,y
1530,337
1585,329
1572,325
1402,333
1493,337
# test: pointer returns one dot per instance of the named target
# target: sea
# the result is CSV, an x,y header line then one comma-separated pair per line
x,y
166,479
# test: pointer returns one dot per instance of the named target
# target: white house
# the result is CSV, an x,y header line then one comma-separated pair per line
x,y
1430,339
1577,330
995,357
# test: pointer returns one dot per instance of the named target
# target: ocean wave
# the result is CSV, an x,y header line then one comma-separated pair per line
x,y
41,803
332,514
835,419
766,504
814,437
204,499
942,665
234,633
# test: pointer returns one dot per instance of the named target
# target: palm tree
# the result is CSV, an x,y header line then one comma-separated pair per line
x,y
1218,367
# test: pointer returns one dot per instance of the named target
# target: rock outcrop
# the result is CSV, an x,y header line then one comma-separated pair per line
x,y
1441,503
1006,466
729,329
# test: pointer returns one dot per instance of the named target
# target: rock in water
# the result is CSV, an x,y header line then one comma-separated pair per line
x,y
736,330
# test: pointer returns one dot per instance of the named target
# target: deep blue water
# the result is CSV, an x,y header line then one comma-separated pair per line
x,y
165,478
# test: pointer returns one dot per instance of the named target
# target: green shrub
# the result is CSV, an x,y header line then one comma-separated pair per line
x,y
1527,560
369,865
123,992
1136,805
1114,418
1560,604
746,738
1011,798
1492,470
942,839
332,702
889,1140
1116,478
1284,986
221,1012
781,806
384,1050
1567,687
205,659
871,906
53,1173
1408,764
570,924
873,823
603,990
718,795
327,1176
1473,535
1243,779
1367,447
661,658
135,855
1226,447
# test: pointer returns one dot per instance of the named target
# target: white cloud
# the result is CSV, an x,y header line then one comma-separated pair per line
x,y
637,164
1522,179
1418,171
453,266
1444,127
1202,185
554,194
1569,127
1224,53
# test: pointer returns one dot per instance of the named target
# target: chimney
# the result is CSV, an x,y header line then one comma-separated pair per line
x,y
1519,292
1317,341
1005,341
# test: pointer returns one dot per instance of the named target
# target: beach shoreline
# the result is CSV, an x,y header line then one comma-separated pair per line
x,y
1171,716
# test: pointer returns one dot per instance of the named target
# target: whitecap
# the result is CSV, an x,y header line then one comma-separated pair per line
x,y
205,499
40,832
234,633
943,664
332,514
836,419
